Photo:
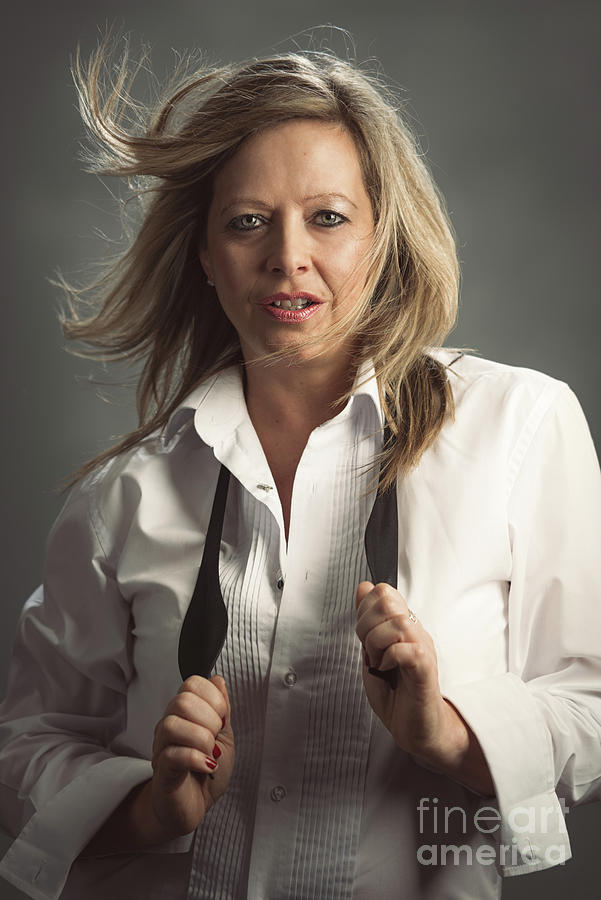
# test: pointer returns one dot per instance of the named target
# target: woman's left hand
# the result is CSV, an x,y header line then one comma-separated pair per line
x,y
414,711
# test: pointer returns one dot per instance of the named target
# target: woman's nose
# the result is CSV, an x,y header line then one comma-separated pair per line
x,y
289,250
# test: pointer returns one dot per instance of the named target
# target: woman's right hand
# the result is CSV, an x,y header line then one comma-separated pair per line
x,y
193,740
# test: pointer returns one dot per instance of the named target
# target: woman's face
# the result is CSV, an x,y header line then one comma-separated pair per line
x,y
290,224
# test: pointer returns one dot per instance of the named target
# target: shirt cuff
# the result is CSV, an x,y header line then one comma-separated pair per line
x,y
517,746
39,860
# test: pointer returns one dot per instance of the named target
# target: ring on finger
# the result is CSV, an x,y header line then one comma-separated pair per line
x,y
412,616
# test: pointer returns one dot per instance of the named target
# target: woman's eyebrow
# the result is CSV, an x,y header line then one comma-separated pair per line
x,y
253,201
329,196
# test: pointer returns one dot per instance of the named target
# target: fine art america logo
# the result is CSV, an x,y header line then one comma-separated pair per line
x,y
450,821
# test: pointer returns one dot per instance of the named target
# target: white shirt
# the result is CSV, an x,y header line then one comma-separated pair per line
x,y
498,557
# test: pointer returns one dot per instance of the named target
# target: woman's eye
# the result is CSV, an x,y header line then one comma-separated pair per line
x,y
329,218
247,222
251,221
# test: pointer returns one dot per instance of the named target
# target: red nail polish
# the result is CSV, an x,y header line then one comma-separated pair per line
x,y
211,763
216,752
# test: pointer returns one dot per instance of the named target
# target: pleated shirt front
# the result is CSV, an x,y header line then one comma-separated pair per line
x,y
292,664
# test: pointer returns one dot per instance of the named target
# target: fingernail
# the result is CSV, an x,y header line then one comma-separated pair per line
x,y
216,752
223,721
211,763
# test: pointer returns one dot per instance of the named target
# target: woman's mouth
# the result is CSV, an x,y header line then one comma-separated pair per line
x,y
291,308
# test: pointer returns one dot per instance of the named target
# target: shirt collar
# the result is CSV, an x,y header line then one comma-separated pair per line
x,y
218,405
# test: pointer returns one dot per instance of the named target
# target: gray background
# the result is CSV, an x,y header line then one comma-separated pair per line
x,y
504,98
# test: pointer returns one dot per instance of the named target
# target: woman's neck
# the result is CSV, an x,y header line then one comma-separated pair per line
x,y
298,397
285,403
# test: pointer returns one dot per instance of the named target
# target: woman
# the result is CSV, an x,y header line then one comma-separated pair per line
x,y
291,280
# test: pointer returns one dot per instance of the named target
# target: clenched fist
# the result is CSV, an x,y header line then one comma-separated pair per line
x,y
411,706
193,740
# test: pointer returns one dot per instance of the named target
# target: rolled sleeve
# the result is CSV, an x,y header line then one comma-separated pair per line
x,y
39,860
518,748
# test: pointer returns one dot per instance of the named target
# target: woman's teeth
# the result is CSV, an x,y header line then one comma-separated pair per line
x,y
291,304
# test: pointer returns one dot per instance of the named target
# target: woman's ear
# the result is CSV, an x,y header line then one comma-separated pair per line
x,y
203,255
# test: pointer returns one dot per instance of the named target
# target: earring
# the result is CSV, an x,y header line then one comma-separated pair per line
x,y
210,283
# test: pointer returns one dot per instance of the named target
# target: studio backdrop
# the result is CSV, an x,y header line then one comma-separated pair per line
x,y
504,99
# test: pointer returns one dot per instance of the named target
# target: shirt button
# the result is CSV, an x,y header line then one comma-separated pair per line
x,y
280,584
278,793
290,678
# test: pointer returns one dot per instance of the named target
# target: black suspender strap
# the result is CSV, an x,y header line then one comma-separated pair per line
x,y
381,534
381,547
204,628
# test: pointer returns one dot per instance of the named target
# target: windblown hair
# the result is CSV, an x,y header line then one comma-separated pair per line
x,y
153,304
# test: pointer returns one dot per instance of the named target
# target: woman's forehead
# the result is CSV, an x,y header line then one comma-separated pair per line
x,y
310,157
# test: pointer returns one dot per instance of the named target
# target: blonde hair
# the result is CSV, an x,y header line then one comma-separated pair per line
x,y
153,303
